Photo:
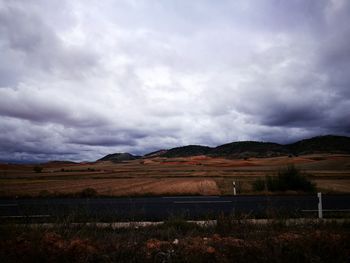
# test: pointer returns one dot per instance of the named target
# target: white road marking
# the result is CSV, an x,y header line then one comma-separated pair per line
x,y
178,197
200,202
31,216
328,210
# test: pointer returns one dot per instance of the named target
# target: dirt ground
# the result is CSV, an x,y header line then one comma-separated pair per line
x,y
199,175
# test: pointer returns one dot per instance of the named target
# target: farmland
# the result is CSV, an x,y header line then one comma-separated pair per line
x,y
197,175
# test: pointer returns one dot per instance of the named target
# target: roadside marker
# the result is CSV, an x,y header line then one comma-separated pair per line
x,y
320,215
234,187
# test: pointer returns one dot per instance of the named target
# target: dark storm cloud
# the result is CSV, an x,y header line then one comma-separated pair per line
x,y
283,116
81,79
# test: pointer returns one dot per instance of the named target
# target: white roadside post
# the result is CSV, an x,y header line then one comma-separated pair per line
x,y
234,187
320,215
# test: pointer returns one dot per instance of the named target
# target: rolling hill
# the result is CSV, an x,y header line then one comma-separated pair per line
x,y
319,144
189,150
119,157
247,149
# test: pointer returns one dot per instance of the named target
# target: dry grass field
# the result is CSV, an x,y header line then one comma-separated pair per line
x,y
199,175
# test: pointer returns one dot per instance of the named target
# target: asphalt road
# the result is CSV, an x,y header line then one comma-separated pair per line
x,y
160,208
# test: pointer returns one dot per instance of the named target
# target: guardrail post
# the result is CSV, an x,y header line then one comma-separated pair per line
x,y
320,214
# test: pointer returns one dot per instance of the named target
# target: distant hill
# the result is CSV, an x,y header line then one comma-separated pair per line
x,y
185,151
119,157
249,149
155,154
328,144
246,149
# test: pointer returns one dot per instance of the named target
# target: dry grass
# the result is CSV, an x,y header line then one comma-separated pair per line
x,y
193,175
113,187
334,186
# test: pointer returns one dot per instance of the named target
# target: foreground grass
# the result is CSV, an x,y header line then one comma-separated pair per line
x,y
178,241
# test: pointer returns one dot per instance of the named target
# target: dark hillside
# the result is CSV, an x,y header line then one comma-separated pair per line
x,y
155,154
119,157
326,144
190,150
249,149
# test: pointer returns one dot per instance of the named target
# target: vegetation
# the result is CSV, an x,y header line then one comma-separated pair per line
x,y
38,169
289,178
88,192
177,241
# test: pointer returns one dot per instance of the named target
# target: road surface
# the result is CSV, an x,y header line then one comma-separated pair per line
x,y
160,208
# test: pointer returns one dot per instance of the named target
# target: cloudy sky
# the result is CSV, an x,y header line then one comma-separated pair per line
x,y
80,79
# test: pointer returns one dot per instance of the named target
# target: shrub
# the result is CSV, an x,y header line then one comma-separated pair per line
x,y
289,178
88,192
38,169
273,184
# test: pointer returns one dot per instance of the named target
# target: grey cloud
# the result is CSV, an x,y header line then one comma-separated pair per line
x,y
105,141
35,46
107,137
295,117
79,80
35,105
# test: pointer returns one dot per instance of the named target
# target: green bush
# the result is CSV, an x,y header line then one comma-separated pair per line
x,y
289,178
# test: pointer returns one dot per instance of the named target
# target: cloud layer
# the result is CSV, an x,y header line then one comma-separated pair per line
x,y
80,79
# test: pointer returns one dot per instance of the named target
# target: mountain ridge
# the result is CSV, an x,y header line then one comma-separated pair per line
x,y
247,149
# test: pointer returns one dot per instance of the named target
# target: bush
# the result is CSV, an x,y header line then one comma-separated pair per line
x,y
88,192
273,184
38,169
289,178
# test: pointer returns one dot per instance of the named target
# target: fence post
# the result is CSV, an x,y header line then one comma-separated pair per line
x,y
320,214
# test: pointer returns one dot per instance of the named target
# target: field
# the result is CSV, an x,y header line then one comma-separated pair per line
x,y
199,175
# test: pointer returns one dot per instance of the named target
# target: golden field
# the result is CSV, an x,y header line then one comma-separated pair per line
x,y
198,175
